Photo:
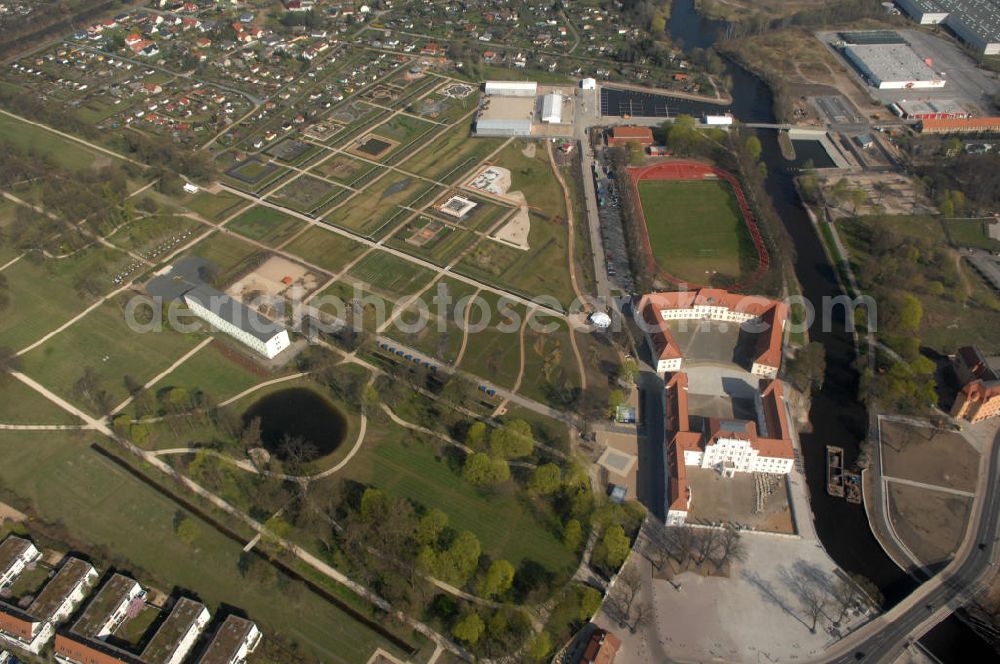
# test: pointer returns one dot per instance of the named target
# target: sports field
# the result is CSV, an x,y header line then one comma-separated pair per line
x,y
695,228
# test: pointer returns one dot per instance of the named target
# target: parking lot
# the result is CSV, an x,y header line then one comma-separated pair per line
x,y
966,83
612,230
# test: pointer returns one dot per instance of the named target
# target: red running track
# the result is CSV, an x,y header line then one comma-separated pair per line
x,y
693,170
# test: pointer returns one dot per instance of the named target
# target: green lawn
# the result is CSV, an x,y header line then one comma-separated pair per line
x,y
406,466
43,294
344,169
212,372
971,233
64,152
265,225
107,512
102,341
368,211
493,352
549,361
695,229
228,253
543,269
453,155
390,275
214,207
327,249
19,404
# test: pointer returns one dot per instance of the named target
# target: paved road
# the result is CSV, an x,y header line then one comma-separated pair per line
x,y
883,639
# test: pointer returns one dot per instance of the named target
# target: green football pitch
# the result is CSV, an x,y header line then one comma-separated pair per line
x,y
695,228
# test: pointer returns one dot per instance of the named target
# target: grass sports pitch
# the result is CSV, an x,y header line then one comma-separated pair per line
x,y
695,228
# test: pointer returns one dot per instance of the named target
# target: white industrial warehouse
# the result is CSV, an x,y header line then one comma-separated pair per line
x,y
892,66
523,108
976,22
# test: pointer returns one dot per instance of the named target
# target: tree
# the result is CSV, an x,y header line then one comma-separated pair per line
x,y
512,440
572,534
753,147
613,547
430,527
546,479
498,579
482,470
911,312
469,629
590,602
475,437
187,530
540,647
808,368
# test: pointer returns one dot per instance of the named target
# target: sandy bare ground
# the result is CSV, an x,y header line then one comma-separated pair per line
x,y
8,513
268,278
517,230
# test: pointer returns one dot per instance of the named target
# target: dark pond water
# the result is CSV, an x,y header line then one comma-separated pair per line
x,y
298,412
837,416
807,151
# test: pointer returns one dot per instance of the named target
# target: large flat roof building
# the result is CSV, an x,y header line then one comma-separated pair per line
x,y
511,88
506,116
552,108
892,66
178,633
238,320
16,553
31,628
930,109
234,641
976,22
985,125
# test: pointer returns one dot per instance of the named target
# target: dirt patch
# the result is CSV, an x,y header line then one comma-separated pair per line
x,y
516,231
529,150
495,180
735,500
8,513
273,277
931,523
373,146
931,456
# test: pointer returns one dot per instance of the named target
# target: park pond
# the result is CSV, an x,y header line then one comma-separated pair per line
x,y
298,413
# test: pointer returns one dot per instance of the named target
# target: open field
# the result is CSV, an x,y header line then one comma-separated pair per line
x,y
108,511
265,225
155,235
19,404
549,362
63,152
345,169
930,523
971,233
43,295
516,269
227,253
307,194
933,456
214,207
432,240
494,352
325,248
103,342
390,275
218,370
695,228
408,466
453,156
367,212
